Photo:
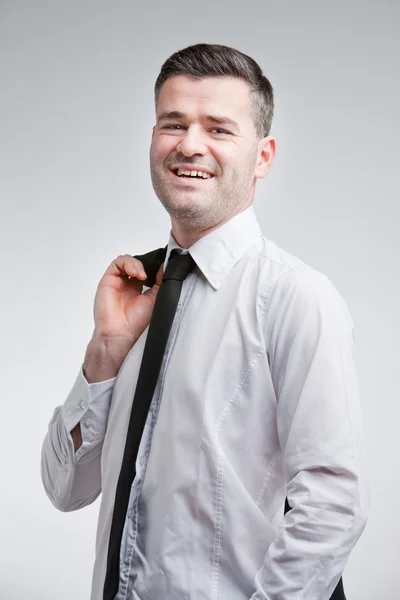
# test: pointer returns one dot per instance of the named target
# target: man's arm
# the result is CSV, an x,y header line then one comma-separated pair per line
x,y
98,367
311,351
71,452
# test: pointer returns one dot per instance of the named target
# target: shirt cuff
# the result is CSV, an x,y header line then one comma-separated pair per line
x,y
89,405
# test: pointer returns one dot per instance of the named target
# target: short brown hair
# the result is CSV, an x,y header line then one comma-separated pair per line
x,y
213,60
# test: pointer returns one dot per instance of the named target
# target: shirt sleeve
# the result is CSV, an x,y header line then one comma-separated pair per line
x,y
72,479
320,429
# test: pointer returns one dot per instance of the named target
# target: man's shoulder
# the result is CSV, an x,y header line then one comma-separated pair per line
x,y
287,275
277,264
275,257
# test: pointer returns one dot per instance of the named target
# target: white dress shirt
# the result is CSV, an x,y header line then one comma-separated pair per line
x,y
257,399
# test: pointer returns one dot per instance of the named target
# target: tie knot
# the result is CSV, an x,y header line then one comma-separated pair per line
x,y
179,266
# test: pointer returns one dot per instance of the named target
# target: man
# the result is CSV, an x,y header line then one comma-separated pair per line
x,y
257,395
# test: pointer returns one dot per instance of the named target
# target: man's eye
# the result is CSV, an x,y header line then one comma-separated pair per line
x,y
171,126
178,127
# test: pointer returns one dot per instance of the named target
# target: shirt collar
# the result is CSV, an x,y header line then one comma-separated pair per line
x,y
217,252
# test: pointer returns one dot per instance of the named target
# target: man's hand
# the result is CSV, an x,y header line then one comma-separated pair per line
x,y
121,314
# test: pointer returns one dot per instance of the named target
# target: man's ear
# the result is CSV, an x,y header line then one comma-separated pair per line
x,y
265,156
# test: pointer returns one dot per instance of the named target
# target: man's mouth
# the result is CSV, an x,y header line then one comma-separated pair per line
x,y
191,174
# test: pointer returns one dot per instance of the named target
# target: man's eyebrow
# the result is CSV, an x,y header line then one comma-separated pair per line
x,y
220,120
173,114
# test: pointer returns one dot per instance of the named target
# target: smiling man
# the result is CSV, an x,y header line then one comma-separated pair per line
x,y
217,407
206,125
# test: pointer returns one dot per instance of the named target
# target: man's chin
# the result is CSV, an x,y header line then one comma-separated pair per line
x,y
189,200
185,208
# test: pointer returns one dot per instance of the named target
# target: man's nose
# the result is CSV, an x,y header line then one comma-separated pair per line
x,y
192,143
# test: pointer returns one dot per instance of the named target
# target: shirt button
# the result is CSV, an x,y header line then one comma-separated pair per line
x,y
87,423
82,404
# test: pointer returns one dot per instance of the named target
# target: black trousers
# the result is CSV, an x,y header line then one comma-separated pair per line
x,y
338,592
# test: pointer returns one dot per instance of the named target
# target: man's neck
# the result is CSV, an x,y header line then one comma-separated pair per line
x,y
186,238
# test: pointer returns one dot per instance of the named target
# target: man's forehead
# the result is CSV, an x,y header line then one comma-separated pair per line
x,y
232,93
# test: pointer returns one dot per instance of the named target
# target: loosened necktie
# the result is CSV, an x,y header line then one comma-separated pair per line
x,y
178,268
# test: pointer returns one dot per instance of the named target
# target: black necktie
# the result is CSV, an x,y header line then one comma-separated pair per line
x,y
178,268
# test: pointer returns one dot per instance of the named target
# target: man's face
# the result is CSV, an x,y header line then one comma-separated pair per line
x,y
204,125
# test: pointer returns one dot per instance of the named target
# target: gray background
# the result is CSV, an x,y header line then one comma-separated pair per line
x,y
76,109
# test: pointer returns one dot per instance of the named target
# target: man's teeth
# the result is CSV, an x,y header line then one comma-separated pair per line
x,y
194,174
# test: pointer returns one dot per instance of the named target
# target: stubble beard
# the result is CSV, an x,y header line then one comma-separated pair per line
x,y
196,210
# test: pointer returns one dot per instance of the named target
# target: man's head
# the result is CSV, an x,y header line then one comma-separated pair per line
x,y
196,87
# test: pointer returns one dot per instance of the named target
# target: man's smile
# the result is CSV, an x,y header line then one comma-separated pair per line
x,y
191,178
